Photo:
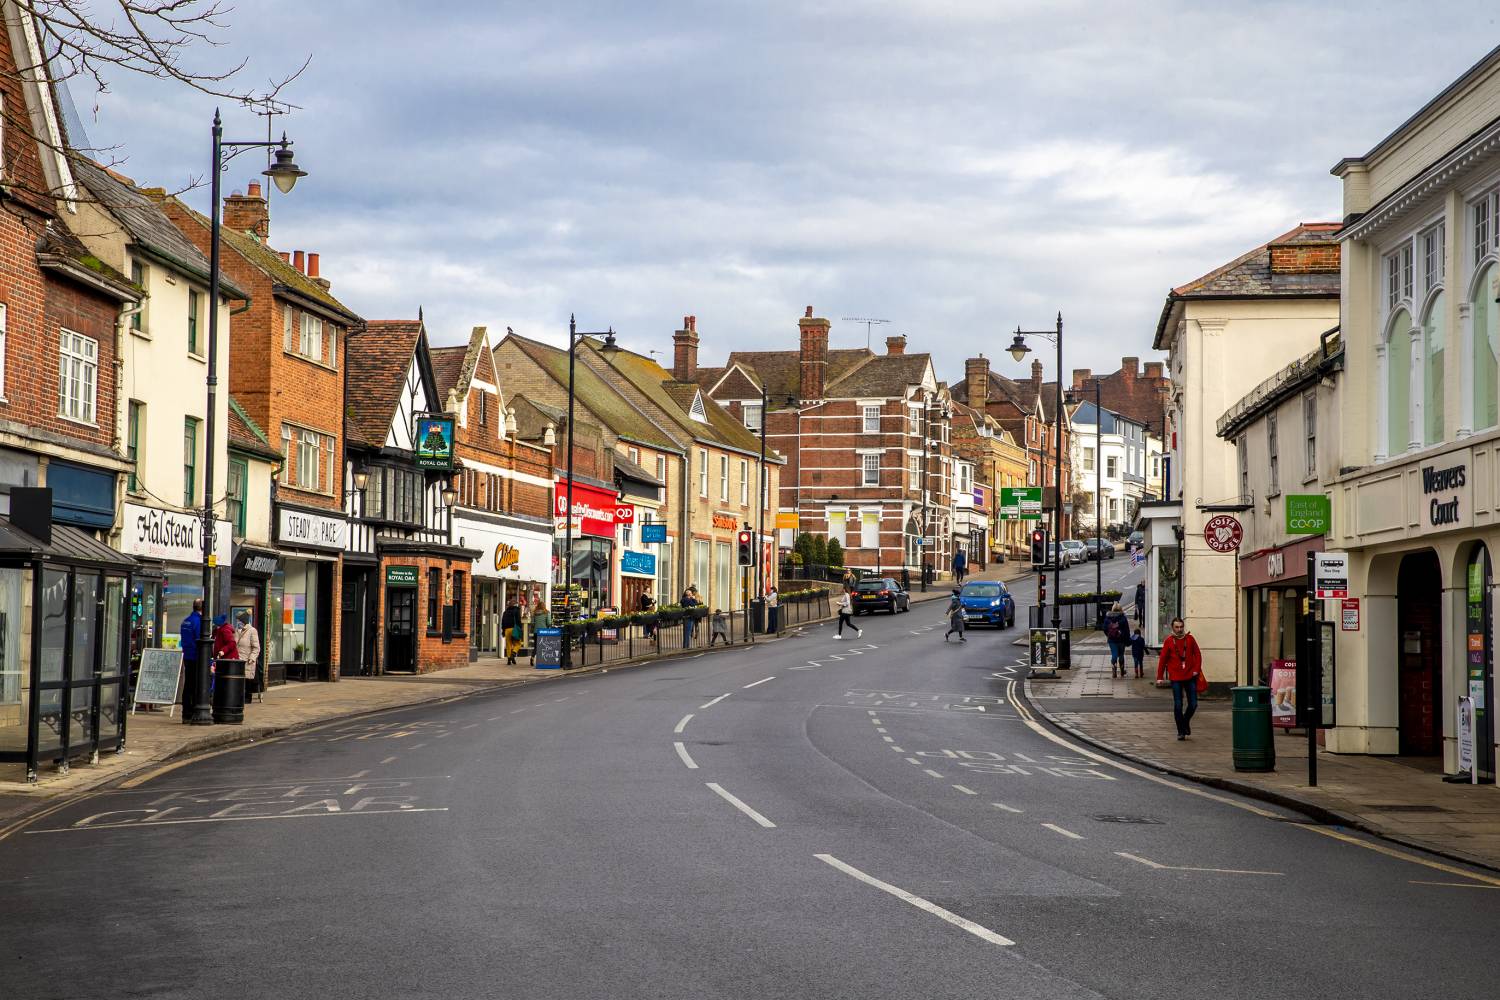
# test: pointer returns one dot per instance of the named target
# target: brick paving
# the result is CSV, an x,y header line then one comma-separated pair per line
x,y
1401,799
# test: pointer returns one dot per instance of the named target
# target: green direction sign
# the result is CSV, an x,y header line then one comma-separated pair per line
x,y
401,576
1020,503
1308,514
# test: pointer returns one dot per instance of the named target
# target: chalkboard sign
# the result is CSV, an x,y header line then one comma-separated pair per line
x,y
157,682
548,648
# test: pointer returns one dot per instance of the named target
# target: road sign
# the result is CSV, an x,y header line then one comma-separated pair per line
x,y
1223,533
1020,503
1331,575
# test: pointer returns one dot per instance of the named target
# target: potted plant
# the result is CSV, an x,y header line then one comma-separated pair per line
x,y
298,651
698,611
669,614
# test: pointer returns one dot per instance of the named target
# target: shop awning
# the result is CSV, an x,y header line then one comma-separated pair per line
x,y
67,544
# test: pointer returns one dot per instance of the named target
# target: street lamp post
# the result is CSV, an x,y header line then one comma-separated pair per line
x,y
284,173
765,497
1019,350
567,560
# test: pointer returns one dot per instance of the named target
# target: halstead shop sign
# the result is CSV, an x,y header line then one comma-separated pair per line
x,y
1441,489
171,535
300,527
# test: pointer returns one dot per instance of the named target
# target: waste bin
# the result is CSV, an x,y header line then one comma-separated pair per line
x,y
758,615
229,692
1254,749
1065,648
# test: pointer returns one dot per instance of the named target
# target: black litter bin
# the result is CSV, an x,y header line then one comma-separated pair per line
x,y
229,692
1065,648
758,615
1254,749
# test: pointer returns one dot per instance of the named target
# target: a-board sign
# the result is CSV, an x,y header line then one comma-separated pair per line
x,y
1331,575
1044,650
548,648
157,682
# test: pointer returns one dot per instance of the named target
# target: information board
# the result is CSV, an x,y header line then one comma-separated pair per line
x,y
1284,694
1020,503
1044,651
1331,575
548,648
156,684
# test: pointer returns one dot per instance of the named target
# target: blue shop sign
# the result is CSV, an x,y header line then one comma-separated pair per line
x,y
638,563
81,496
654,532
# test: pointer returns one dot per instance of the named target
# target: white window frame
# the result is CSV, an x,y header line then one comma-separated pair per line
x,y
869,470
78,367
869,418
310,337
1088,459
1310,430
724,478
744,482
753,417
703,473
1273,454
661,473
1111,466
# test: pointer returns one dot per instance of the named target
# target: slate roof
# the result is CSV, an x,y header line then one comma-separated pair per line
x,y
631,470
881,375
377,360
57,248
146,224
708,377
246,436
782,370
1250,273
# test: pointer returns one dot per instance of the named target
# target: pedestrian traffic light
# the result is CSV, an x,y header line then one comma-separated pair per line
x,y
1039,547
747,550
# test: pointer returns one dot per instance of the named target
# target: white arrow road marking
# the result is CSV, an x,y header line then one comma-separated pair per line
x,y
983,933
719,791
683,724
682,752
1186,868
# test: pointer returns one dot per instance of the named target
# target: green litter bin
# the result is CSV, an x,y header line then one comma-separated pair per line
x,y
1253,748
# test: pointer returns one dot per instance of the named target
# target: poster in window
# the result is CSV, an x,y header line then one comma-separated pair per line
x,y
434,441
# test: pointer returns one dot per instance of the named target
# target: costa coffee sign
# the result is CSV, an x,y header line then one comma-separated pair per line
x,y
1223,533
595,511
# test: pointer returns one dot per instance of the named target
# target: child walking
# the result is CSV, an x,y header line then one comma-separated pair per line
x,y
1138,651
718,627
846,614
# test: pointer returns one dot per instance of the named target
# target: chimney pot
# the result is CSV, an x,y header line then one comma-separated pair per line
x,y
312,265
298,262
285,255
1153,369
255,189
896,344
248,213
808,314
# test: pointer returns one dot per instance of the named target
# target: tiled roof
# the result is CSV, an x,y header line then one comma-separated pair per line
x,y
708,377
633,470
58,248
881,375
448,366
782,370
377,360
245,434
1250,274
738,385
145,223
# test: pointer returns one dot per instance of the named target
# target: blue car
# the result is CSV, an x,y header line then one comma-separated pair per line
x,y
988,602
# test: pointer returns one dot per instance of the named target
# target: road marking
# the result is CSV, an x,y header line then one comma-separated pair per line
x,y
873,712
418,746
238,819
913,760
895,748
1188,868
966,791
521,709
388,760
1457,885
932,772
761,681
682,752
878,728
711,704
563,698
1009,809
1066,833
360,774
889,739
983,933
493,718
471,725
1402,855
721,793
683,724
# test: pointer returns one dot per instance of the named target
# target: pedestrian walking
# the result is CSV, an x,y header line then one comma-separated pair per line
x,y
773,610
247,639
1140,603
190,632
960,565
1181,665
1138,652
1117,634
955,616
688,602
510,628
846,614
718,627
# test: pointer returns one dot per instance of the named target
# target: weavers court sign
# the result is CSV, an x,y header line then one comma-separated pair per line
x,y
1444,490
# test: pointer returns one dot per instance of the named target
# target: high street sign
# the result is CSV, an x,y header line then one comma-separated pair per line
x,y
1020,503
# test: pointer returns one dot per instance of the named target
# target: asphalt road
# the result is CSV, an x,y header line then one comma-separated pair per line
x,y
873,817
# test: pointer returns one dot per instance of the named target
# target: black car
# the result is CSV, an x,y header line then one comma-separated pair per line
x,y
1099,548
881,593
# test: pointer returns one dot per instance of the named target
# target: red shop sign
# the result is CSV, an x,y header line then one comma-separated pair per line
x,y
1223,533
593,508
624,513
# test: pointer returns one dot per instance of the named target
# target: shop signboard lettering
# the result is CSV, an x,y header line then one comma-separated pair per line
x,y
725,521
638,563
1331,575
548,648
1308,514
1223,533
654,533
171,535
786,520
624,513
1276,564
434,441
260,565
157,683
507,557
401,576
594,510
300,527
1441,488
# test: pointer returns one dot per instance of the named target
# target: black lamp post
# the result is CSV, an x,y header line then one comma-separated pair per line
x,y
567,560
1019,350
284,172
765,498
1098,492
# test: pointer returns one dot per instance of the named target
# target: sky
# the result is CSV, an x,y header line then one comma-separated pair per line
x,y
958,168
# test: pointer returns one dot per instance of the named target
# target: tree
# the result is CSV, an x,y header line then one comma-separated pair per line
x,y
804,548
835,553
819,550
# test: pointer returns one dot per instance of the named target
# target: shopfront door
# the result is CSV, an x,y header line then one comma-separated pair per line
x,y
400,629
1419,589
355,649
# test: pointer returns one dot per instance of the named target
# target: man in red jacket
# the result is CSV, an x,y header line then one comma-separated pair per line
x,y
1181,662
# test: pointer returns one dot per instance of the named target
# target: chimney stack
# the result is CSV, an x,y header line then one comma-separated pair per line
x,y
896,344
813,331
312,265
1080,376
248,213
285,255
685,350
1130,367
298,262
1036,376
977,381
1153,369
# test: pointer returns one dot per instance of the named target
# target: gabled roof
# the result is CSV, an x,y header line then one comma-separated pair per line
x,y
881,375
246,436
447,368
377,360
782,370
456,368
736,381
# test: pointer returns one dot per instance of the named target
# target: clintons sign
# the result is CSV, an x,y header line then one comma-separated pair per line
x,y
594,510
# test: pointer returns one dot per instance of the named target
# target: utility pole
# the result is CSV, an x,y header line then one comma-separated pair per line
x,y
868,324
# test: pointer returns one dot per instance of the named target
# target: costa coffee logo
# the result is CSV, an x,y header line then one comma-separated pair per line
x,y
1223,533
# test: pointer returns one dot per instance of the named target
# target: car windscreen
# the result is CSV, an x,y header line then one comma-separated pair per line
x,y
983,590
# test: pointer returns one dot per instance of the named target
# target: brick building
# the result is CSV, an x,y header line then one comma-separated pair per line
x,y
998,461
1139,395
504,506
285,372
865,435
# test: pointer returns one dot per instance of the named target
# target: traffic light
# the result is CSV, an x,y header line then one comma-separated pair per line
x,y
1039,547
747,550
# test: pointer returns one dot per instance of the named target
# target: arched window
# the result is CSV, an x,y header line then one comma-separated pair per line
x,y
1398,383
1485,350
1434,339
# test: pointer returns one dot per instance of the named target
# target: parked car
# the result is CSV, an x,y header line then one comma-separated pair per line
x,y
988,602
1100,548
1135,541
1076,550
881,593
1053,557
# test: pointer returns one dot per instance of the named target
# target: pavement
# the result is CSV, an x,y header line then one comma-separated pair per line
x,y
1400,800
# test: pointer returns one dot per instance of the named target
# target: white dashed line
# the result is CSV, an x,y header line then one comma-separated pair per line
x,y
983,933
711,704
932,772
721,793
966,791
1066,833
895,748
522,709
683,724
872,712
682,752
388,760
761,681
1006,808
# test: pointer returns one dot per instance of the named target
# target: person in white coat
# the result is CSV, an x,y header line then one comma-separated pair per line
x,y
248,641
846,614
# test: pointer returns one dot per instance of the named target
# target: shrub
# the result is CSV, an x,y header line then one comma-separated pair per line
x,y
835,552
819,550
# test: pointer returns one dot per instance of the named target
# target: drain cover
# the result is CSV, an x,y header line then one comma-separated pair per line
x,y
1127,819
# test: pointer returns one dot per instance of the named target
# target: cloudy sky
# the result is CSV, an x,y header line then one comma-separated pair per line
x,y
957,167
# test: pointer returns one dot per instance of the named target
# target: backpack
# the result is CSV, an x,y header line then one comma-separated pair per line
x,y
1115,629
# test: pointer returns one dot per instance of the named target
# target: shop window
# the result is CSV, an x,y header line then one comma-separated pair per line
x,y
1434,343
1485,354
664,593
456,608
434,594
15,657
723,576
700,564
294,612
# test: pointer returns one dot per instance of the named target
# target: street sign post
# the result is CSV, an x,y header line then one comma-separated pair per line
x,y
1329,573
1020,503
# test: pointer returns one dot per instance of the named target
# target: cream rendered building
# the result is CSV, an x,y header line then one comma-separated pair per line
x,y
1225,333
1419,512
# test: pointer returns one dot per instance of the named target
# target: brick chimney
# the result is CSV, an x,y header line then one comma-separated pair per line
x,y
248,213
1130,368
685,350
1080,376
814,355
312,272
977,381
1153,369
1036,377
896,344
1304,258
299,261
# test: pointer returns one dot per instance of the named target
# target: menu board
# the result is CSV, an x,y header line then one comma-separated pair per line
x,y
548,653
157,682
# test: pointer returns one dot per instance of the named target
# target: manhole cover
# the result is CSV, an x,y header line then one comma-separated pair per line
x,y
1127,819
1397,807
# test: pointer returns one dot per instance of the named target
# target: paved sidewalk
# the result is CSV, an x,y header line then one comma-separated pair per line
x,y
1381,795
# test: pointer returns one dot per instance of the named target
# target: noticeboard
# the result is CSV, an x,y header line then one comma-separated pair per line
x,y
157,682
1044,650
548,648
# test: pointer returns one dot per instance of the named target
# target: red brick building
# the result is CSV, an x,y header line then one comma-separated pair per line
x,y
1141,396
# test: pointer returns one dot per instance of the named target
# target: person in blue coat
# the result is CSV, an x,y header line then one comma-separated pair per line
x,y
192,629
